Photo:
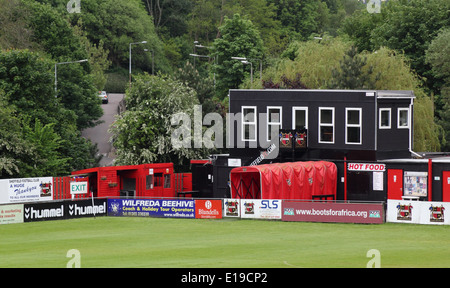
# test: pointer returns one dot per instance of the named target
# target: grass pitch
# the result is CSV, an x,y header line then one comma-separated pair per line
x,y
188,243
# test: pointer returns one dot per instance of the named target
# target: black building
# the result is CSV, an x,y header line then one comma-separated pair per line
x,y
366,133
358,125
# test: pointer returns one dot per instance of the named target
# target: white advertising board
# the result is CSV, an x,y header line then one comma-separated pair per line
x,y
29,189
418,212
11,214
261,209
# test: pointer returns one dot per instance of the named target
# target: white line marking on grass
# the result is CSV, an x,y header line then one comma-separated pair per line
x,y
286,263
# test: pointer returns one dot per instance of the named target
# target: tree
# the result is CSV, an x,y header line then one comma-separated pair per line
x,y
351,73
12,145
59,40
13,26
203,86
391,71
46,158
438,56
142,134
405,25
298,16
28,82
239,38
117,23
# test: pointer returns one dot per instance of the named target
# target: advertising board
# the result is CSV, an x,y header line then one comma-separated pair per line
x,y
64,210
151,208
44,211
261,209
30,189
11,214
208,209
231,208
417,212
333,212
85,208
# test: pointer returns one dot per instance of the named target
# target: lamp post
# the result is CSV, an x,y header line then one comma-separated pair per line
x,y
56,72
135,43
245,62
243,59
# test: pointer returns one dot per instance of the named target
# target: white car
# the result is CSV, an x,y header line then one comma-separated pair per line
x,y
104,96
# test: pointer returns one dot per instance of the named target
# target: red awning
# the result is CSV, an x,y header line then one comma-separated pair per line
x,y
291,180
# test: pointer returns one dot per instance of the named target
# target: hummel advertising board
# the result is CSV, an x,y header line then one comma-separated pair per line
x,y
152,208
64,210
333,212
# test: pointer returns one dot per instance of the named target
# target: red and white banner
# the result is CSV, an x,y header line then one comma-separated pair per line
x,y
333,212
208,209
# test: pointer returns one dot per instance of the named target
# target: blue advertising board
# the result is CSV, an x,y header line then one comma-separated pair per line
x,y
152,208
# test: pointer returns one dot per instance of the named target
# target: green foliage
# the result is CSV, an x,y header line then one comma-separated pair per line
x,y
12,145
29,99
117,23
313,60
404,25
46,158
53,32
13,26
438,56
239,38
27,81
142,134
204,86
299,17
98,57
351,73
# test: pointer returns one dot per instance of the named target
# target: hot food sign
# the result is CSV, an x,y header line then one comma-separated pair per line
x,y
373,167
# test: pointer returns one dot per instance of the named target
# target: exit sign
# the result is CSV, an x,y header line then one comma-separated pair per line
x,y
78,187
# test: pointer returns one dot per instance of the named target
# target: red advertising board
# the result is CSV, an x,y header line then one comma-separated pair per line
x,y
332,212
208,209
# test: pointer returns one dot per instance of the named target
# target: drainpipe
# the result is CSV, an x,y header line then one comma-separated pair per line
x,y
410,129
430,180
345,178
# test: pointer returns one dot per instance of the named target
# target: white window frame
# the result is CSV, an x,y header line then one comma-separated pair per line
x,y
269,123
347,125
250,123
327,124
399,110
380,126
302,108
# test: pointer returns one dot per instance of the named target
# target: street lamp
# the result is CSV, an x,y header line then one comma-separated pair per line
x,y
129,72
245,62
56,71
245,59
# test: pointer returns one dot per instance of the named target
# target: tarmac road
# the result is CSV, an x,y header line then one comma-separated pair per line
x,y
99,134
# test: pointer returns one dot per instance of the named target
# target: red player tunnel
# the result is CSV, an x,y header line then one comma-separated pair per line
x,y
292,180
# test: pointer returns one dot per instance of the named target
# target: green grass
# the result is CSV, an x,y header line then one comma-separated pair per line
x,y
156,242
